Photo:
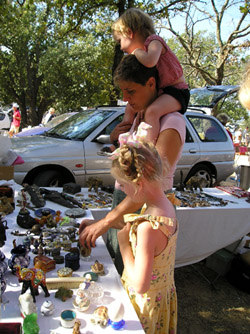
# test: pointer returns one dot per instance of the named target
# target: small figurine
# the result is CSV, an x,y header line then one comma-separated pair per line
x,y
77,326
98,268
31,279
3,229
19,256
47,308
63,294
81,302
30,325
195,182
5,205
100,316
26,304
95,183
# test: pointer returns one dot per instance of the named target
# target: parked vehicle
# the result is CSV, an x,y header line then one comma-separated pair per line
x,y
4,120
68,152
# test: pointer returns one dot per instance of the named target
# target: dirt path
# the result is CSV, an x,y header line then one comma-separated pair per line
x,y
203,309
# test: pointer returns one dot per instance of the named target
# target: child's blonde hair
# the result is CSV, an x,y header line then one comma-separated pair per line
x,y
133,163
135,20
244,92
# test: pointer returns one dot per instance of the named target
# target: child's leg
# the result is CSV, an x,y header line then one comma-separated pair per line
x,y
162,106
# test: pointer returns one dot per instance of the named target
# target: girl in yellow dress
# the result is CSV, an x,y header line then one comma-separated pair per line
x,y
148,240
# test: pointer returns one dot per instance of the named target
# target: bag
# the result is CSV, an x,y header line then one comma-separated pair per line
x,y
239,274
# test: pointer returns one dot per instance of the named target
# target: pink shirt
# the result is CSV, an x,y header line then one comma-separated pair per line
x,y
177,122
15,121
168,66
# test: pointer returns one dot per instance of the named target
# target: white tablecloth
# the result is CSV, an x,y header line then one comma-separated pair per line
x,y
110,282
204,230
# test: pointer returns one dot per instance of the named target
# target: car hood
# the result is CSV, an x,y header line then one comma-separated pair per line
x,y
44,146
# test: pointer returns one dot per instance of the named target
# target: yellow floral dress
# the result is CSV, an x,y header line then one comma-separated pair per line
x,y
157,308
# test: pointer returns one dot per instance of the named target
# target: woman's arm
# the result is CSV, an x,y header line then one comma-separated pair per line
x,y
149,58
89,233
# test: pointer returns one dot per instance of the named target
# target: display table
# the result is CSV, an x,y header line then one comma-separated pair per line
x,y
204,230
110,283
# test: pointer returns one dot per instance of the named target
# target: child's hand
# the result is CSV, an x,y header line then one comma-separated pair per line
x,y
120,128
123,235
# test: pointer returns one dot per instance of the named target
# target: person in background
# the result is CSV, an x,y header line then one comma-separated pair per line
x,y
135,32
139,86
148,240
223,118
247,136
16,120
51,113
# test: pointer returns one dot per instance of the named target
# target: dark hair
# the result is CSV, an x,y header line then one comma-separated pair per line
x,y
130,69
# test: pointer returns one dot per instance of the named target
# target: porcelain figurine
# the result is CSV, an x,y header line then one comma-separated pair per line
x,y
26,304
100,316
3,264
30,325
3,228
81,302
47,308
2,287
19,256
77,327
31,279
98,268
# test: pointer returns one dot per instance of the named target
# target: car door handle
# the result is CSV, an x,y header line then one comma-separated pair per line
x,y
192,150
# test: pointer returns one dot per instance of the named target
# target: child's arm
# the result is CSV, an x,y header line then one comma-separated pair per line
x,y
149,58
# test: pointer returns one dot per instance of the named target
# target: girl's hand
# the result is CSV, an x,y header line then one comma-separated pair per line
x,y
123,235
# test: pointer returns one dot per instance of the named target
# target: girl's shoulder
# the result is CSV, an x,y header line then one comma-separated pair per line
x,y
155,37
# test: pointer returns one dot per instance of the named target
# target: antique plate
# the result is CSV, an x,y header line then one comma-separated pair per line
x,y
40,212
75,212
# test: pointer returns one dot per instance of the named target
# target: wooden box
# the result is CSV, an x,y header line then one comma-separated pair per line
x,y
45,263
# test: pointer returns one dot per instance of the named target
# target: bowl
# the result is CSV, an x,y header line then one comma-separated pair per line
x,y
68,318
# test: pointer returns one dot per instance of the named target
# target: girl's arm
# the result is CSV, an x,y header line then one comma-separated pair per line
x,y
149,58
139,269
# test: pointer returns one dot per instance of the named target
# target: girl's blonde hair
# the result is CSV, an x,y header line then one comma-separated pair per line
x,y
134,20
244,92
133,163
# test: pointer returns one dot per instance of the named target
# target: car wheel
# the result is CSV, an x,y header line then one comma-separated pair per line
x,y
50,178
202,171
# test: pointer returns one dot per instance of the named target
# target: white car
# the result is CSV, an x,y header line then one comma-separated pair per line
x,y
68,152
4,120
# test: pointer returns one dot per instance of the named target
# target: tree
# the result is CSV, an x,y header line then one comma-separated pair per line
x,y
41,59
212,58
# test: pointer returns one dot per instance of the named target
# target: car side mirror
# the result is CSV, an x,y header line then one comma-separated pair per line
x,y
103,139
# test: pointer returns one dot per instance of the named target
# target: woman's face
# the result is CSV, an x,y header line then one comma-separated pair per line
x,y
137,95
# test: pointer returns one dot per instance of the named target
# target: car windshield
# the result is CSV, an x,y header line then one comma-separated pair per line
x,y
58,119
79,126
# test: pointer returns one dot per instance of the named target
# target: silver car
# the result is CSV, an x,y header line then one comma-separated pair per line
x,y
68,152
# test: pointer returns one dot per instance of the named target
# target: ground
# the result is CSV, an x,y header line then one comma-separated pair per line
x,y
207,309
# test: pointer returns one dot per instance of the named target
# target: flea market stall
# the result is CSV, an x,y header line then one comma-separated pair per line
x,y
208,222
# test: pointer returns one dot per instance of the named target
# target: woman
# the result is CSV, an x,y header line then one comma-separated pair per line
x,y
139,87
